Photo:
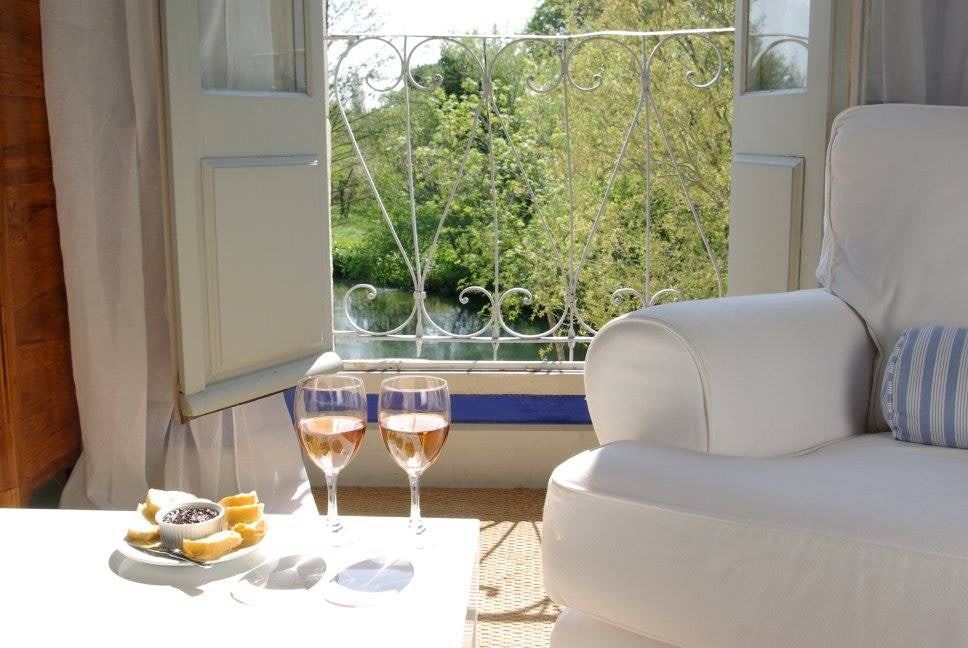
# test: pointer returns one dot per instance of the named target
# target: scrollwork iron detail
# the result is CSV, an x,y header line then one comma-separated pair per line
x,y
571,257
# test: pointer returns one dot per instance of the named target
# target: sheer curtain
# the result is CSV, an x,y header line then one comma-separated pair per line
x,y
102,78
917,52
252,44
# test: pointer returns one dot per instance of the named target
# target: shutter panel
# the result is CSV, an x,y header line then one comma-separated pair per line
x,y
790,80
246,98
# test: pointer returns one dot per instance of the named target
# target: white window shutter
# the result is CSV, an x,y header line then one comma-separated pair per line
x,y
246,98
791,78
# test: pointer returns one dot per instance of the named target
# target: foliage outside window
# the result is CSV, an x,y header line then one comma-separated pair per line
x,y
698,124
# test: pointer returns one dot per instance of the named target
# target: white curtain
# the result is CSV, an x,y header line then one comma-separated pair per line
x,y
102,78
917,52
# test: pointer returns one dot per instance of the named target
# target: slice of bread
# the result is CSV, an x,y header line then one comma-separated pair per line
x,y
160,499
148,544
245,513
143,511
213,546
140,529
251,532
242,499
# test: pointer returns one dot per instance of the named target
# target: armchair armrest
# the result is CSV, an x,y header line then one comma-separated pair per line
x,y
759,375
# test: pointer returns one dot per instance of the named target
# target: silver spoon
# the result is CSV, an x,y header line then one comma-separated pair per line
x,y
177,554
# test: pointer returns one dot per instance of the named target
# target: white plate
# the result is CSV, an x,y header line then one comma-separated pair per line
x,y
136,555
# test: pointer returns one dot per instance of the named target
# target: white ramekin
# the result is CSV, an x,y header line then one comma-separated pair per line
x,y
173,534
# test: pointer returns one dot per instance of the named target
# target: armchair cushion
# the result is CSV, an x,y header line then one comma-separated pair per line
x,y
896,220
925,390
760,375
859,543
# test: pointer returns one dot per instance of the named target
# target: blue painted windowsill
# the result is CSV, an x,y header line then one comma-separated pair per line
x,y
502,408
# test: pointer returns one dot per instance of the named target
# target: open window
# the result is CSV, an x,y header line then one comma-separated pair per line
x,y
622,215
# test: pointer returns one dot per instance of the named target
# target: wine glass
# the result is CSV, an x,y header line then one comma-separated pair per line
x,y
330,416
414,421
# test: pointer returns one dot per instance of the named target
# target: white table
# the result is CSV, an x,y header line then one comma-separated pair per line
x,y
62,582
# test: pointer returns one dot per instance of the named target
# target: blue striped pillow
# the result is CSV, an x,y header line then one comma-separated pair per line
x,y
925,390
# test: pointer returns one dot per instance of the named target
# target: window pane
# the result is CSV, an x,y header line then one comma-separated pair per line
x,y
252,45
776,51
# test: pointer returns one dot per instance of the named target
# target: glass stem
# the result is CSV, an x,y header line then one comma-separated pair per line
x,y
332,514
416,523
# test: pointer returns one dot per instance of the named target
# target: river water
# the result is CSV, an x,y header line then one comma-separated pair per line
x,y
391,307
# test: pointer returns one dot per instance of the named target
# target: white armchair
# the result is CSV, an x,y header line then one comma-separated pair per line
x,y
737,501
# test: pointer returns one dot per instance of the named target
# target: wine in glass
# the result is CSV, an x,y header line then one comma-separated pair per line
x,y
330,415
414,421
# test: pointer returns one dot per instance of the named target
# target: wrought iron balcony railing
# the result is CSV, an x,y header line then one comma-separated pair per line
x,y
648,75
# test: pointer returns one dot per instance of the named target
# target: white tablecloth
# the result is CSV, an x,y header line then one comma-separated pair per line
x,y
63,582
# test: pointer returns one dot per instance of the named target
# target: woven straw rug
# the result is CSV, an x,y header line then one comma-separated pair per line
x,y
514,611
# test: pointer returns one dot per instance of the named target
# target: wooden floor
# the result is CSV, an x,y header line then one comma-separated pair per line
x,y
514,610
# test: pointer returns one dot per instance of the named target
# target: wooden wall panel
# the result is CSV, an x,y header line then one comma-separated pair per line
x,y
40,430
10,497
9,476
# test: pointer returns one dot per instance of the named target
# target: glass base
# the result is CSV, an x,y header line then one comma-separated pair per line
x,y
338,536
413,539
